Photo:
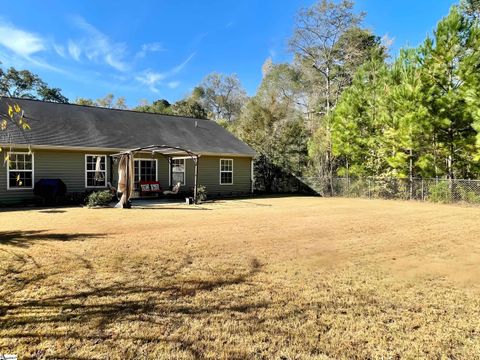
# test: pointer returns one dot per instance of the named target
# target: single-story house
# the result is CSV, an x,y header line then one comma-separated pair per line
x,y
75,142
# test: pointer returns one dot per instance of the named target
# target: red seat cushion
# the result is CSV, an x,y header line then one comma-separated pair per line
x,y
150,186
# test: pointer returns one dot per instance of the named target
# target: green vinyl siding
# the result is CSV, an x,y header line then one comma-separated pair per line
x,y
69,166
209,175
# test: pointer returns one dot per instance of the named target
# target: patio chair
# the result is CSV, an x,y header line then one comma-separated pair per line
x,y
174,190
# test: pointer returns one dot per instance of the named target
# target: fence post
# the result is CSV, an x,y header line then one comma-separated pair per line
x,y
423,196
369,194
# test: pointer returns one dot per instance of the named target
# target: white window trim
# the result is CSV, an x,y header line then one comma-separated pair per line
x,y
146,159
106,172
18,188
184,170
220,172
252,177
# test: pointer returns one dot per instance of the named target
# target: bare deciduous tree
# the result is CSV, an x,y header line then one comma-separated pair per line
x,y
222,95
317,33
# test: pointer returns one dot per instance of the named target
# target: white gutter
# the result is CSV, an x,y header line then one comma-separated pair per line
x,y
107,150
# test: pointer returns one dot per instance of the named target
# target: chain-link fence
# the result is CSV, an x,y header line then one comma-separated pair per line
x,y
436,190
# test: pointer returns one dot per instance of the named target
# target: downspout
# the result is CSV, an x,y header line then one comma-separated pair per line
x,y
127,204
169,171
252,177
195,188
110,177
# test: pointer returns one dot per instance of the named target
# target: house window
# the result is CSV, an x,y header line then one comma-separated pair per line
x,y
95,171
20,170
226,171
178,171
145,170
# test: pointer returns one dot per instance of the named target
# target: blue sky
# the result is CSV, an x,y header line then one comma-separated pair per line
x,y
162,49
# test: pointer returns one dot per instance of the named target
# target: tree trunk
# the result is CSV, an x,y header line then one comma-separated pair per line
x,y
329,163
410,173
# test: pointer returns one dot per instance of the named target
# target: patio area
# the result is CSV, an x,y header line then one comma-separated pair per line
x,y
157,203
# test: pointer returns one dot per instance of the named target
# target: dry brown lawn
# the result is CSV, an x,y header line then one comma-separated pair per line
x,y
269,278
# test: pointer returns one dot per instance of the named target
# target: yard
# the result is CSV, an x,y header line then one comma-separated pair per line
x,y
283,278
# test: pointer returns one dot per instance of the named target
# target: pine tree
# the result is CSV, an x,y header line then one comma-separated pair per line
x,y
409,131
446,70
358,121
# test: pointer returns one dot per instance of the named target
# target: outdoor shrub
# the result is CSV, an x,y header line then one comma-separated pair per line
x,y
440,192
201,193
357,188
467,195
99,198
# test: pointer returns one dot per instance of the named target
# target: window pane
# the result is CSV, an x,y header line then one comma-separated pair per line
x,y
149,170
12,179
20,171
20,179
26,177
178,178
226,177
12,164
96,170
178,168
145,170
102,162
178,165
178,171
226,165
92,162
135,169
94,179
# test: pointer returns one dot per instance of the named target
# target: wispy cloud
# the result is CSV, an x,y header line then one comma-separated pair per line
x,y
27,62
229,25
60,50
180,67
173,84
19,41
21,47
74,50
150,78
79,51
150,47
153,79
97,47
198,39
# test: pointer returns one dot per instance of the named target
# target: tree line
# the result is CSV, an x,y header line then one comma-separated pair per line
x,y
418,115
342,106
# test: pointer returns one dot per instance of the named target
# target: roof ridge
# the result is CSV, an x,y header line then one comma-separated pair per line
x,y
104,108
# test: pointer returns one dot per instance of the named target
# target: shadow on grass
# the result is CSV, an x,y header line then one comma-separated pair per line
x,y
25,239
174,299
163,207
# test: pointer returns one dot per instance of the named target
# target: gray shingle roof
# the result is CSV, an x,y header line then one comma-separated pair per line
x,y
86,126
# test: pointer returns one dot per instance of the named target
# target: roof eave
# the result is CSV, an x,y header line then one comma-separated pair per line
x,y
111,150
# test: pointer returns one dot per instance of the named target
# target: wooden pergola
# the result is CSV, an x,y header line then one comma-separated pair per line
x,y
168,151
